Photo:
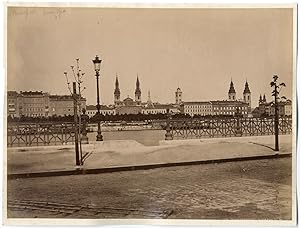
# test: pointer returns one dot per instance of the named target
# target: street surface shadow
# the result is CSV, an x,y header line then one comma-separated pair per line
x,y
263,145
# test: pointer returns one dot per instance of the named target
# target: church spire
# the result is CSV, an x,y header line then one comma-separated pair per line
x,y
247,95
231,92
137,82
246,90
231,88
117,88
149,101
149,97
138,92
260,98
117,92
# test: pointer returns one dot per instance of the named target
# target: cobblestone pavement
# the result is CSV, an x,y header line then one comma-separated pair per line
x,y
258,189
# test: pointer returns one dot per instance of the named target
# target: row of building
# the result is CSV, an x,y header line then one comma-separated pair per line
x,y
41,104
227,107
268,108
130,106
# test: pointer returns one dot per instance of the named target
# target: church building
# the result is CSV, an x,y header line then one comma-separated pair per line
x,y
227,107
128,105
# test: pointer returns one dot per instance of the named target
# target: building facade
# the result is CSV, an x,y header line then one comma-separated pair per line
x,y
12,104
39,104
201,108
33,104
227,107
288,108
160,109
91,110
268,108
64,105
215,108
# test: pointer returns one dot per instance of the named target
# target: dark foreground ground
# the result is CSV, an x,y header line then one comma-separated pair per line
x,y
260,189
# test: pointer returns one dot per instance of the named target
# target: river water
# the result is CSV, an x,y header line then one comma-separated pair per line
x,y
146,137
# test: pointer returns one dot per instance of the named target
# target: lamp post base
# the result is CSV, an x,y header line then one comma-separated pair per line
x,y
84,139
168,136
99,137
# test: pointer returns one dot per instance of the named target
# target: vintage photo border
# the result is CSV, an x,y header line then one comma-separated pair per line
x,y
53,221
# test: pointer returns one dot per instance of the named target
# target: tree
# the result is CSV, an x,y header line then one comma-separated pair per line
x,y
275,93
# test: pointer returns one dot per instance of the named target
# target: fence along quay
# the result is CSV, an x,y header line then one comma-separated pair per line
x,y
227,127
38,134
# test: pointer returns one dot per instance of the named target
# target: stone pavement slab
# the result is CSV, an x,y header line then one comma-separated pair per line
x,y
119,153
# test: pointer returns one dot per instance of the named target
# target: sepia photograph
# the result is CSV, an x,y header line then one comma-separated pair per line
x,y
141,114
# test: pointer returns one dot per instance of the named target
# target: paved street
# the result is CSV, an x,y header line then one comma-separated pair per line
x,y
258,189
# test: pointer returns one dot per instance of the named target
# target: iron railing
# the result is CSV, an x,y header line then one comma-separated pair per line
x,y
37,134
227,127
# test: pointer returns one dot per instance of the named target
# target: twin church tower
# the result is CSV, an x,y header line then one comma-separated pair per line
x,y
246,93
117,93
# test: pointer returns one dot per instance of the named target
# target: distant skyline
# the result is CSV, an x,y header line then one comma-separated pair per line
x,y
199,50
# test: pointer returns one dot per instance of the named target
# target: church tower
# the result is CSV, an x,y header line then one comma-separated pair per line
x,y
178,96
231,92
117,92
247,94
264,99
149,101
260,99
138,93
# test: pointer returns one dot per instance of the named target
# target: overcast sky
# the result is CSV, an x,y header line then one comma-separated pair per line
x,y
199,50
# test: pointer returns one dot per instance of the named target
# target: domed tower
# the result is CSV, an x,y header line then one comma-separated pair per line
x,y
117,93
247,94
178,96
231,92
138,93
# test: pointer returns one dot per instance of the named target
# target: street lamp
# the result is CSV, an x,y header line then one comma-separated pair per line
x,y
97,63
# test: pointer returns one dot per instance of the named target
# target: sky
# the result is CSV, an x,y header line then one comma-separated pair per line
x,y
199,50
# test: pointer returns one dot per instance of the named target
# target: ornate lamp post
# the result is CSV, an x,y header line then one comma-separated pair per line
x,y
97,63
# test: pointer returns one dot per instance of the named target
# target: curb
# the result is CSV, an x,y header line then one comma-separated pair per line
x,y
139,167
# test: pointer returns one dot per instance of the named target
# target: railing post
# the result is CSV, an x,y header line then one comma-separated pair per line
x,y
84,118
168,135
238,130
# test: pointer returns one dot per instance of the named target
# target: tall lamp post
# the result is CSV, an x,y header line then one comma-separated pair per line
x,y
97,63
275,94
